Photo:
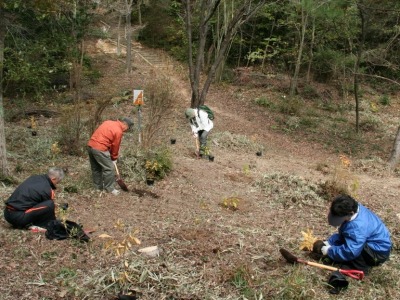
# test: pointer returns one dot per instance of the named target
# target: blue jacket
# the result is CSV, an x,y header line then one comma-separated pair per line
x,y
366,227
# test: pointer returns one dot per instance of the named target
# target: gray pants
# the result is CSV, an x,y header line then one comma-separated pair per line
x,y
102,169
203,134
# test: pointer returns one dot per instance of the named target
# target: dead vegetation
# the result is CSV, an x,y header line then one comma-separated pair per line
x,y
218,225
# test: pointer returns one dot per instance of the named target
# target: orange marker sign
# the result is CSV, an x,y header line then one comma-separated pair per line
x,y
138,97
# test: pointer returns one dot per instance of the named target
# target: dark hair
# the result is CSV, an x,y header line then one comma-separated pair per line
x,y
343,205
127,121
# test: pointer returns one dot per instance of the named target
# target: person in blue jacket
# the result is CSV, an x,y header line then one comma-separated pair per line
x,y
363,241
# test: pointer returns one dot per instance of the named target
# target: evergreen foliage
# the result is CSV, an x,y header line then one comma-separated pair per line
x,y
40,47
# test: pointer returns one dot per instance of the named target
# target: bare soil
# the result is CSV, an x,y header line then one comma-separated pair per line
x,y
207,250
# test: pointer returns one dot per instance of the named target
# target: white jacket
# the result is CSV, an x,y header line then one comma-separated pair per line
x,y
201,123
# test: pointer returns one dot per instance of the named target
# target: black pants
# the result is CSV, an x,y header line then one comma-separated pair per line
x,y
39,215
366,260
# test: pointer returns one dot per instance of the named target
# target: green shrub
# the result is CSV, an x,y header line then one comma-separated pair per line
x,y
308,122
309,92
290,105
384,100
293,122
158,163
263,101
326,64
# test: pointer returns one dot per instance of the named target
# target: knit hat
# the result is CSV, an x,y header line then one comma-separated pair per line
x,y
190,113
128,122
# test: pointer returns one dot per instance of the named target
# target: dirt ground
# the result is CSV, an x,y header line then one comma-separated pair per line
x,y
207,251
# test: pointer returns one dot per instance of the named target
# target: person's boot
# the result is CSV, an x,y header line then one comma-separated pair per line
x,y
202,151
337,282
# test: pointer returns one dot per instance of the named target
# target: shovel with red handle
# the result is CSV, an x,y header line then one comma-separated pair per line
x,y
356,274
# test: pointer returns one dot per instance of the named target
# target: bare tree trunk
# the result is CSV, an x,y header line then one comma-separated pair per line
x,y
227,12
311,51
139,4
3,152
251,45
266,47
206,12
356,89
294,82
395,155
119,35
128,27
357,64
240,49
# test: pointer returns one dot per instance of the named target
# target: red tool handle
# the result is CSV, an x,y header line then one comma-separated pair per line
x,y
356,274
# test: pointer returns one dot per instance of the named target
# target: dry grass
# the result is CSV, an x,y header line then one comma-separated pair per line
x,y
209,250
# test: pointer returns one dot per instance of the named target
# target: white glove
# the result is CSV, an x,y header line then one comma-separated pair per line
x,y
327,243
114,162
325,249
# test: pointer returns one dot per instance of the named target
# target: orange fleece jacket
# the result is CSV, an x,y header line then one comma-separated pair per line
x,y
107,137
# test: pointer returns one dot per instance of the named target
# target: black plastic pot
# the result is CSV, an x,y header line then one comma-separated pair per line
x,y
150,181
173,141
211,158
259,153
34,133
64,206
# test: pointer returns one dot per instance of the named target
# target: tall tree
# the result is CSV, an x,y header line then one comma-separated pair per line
x,y
4,19
395,155
128,26
302,33
308,9
198,18
363,18
124,9
378,31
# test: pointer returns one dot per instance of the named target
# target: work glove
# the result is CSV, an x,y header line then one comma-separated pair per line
x,y
114,162
317,246
325,249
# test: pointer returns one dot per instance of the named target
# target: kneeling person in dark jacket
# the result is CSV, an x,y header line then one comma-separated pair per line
x,y
363,241
32,203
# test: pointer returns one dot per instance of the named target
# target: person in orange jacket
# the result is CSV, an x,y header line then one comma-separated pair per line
x,y
103,150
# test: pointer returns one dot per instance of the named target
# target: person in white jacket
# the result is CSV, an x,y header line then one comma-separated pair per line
x,y
201,126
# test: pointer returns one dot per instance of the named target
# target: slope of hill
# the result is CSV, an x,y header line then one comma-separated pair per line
x,y
218,225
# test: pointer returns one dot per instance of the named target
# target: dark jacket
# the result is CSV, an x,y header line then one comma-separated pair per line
x,y
35,189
